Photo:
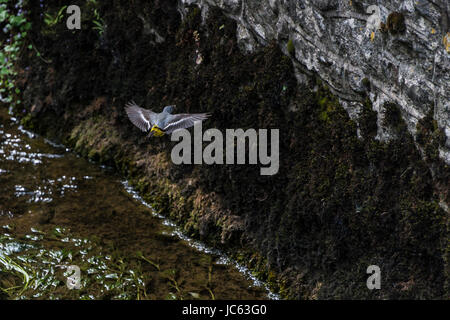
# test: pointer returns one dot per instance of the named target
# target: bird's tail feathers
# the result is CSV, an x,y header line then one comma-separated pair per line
x,y
201,116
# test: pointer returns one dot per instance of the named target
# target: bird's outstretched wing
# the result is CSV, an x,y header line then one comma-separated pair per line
x,y
140,117
183,121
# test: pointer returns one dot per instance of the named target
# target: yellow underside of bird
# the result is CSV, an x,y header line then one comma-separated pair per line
x,y
157,132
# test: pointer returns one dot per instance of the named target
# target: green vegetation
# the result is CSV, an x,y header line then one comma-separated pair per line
x,y
52,19
15,27
16,270
430,136
366,83
99,23
99,26
290,47
33,270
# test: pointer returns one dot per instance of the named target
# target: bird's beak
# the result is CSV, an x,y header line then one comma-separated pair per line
x,y
150,134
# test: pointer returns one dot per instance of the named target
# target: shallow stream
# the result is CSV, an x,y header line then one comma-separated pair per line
x,y
59,210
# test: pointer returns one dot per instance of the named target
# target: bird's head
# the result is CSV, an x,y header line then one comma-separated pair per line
x,y
169,109
156,131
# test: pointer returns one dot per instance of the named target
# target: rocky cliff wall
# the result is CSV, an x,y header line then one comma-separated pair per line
x,y
397,50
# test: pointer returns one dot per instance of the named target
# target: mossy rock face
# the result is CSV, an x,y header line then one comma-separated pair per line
x,y
393,118
396,23
392,115
368,121
430,136
290,47
366,83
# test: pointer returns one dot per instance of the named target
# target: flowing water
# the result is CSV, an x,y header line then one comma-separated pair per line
x,y
58,210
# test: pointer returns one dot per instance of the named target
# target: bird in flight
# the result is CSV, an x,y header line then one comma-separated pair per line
x,y
159,124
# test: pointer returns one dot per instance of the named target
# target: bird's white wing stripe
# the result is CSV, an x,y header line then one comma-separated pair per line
x,y
138,116
142,116
176,122
185,121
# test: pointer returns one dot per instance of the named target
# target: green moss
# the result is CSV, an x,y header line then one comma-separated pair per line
x,y
392,115
366,83
368,121
430,136
290,47
194,13
93,155
28,121
393,118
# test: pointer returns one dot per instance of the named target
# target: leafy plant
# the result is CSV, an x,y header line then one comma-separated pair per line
x,y
14,24
99,27
51,20
141,256
9,265
99,23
